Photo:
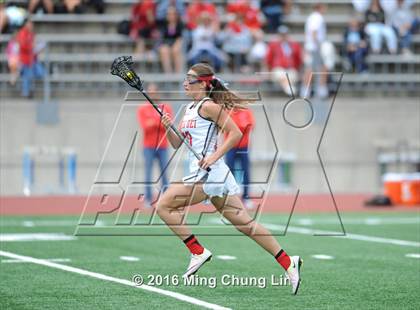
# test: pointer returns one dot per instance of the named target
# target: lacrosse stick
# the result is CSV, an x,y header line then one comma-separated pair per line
x,y
122,67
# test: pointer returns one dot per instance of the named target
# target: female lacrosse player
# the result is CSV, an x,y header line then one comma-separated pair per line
x,y
204,117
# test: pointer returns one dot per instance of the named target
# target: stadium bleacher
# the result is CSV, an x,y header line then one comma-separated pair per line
x,y
73,39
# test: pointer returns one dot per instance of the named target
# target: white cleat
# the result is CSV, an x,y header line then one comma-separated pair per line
x,y
196,262
293,273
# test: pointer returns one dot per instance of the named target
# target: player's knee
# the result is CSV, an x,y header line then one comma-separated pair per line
x,y
167,204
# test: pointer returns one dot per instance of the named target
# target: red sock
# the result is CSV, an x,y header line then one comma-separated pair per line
x,y
283,259
193,245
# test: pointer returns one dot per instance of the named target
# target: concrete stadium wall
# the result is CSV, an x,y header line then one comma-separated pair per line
x,y
348,148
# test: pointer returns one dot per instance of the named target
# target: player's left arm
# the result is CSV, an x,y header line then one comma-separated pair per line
x,y
222,119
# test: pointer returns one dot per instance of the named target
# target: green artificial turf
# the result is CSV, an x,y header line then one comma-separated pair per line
x,y
361,275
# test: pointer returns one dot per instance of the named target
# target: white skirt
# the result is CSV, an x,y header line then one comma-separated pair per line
x,y
218,182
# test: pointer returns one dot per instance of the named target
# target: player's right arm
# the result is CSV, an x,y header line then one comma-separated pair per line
x,y
173,139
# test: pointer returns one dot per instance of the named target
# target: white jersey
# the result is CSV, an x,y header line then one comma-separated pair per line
x,y
202,135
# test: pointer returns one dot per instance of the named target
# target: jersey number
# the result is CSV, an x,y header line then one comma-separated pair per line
x,y
188,136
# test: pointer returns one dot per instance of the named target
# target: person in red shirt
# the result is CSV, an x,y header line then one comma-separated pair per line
x,y
30,67
245,121
195,11
155,144
284,57
143,23
250,14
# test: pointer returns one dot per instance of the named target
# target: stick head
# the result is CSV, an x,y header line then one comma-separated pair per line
x,y
122,67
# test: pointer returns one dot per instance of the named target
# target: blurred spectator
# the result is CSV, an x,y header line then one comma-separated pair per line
x,y
237,42
284,59
250,14
143,23
11,18
245,121
274,11
13,60
47,6
155,144
98,5
315,36
170,49
376,29
163,6
328,55
204,47
258,51
195,11
70,7
361,6
405,24
30,67
389,6
355,46
252,18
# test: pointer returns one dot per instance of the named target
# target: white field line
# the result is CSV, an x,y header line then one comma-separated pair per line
x,y
413,255
130,258
100,276
335,234
57,260
226,257
308,231
365,221
44,223
346,221
322,256
35,237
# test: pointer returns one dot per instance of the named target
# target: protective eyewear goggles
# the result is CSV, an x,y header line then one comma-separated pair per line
x,y
192,79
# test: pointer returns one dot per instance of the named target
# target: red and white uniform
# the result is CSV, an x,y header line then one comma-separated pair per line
x,y
202,135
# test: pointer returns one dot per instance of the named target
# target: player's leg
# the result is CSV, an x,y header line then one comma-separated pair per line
x,y
232,209
172,205
171,209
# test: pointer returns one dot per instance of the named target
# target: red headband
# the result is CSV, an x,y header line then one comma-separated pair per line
x,y
206,79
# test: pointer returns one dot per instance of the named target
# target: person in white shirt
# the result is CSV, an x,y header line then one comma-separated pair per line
x,y
377,29
315,36
404,23
204,47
